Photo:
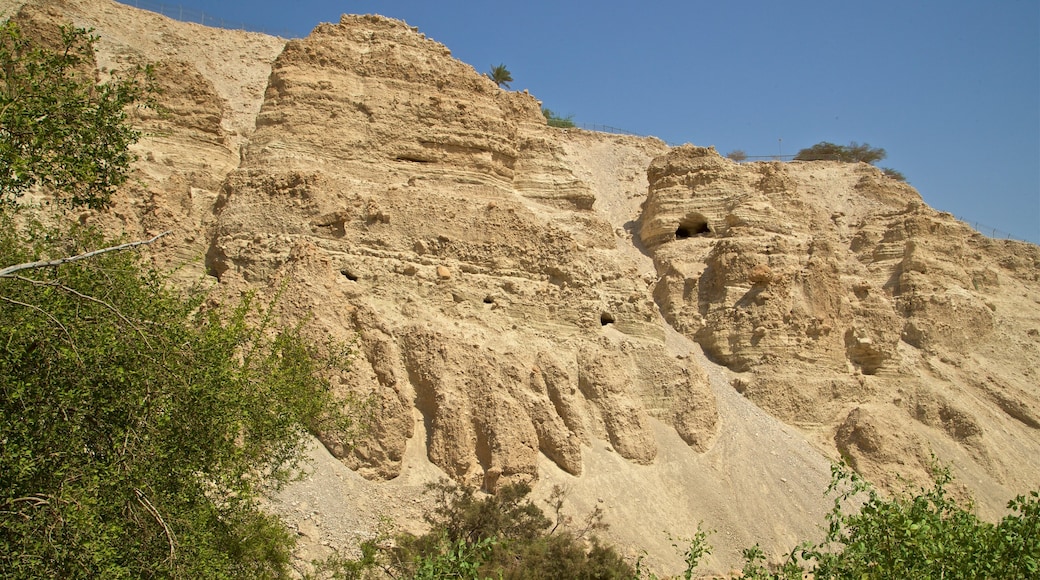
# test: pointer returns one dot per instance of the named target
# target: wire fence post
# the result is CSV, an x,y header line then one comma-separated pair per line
x,y
178,12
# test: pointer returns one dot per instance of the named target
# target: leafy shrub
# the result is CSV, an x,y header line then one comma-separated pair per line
x,y
507,514
851,153
139,427
460,559
737,155
58,127
925,534
557,121
502,535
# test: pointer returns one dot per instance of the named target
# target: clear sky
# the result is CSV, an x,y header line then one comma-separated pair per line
x,y
949,88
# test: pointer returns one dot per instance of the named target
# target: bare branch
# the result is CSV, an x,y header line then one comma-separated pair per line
x,y
155,514
8,271
37,500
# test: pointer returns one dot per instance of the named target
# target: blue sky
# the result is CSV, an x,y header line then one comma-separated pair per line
x,y
950,89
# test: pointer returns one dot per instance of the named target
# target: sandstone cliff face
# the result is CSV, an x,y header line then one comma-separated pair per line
x,y
443,214
532,304
853,310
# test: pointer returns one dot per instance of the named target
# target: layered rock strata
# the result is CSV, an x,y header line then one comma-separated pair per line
x,y
531,304
851,309
438,209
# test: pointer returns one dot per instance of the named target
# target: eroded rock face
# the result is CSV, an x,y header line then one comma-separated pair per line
x,y
832,289
514,309
446,212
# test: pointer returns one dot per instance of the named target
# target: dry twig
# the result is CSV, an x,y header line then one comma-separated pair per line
x,y
143,500
8,271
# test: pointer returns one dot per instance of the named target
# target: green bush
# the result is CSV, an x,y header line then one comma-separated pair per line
x,y
924,534
139,427
500,535
557,121
851,153
58,127
459,559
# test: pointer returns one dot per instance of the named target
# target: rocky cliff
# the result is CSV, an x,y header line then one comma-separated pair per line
x,y
850,309
673,337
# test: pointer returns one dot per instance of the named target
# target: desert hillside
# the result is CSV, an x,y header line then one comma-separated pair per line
x,y
671,336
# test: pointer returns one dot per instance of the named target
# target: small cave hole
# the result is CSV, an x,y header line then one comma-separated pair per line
x,y
694,224
606,318
489,299
412,159
216,262
349,275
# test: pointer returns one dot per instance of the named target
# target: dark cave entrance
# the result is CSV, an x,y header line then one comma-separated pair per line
x,y
693,224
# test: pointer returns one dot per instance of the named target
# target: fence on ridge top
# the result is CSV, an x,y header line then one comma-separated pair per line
x,y
179,12
990,231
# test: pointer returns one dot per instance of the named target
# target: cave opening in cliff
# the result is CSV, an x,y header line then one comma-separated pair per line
x,y
606,318
693,224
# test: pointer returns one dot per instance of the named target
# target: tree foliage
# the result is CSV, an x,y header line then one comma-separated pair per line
x,y
894,174
555,120
737,155
139,426
501,535
59,128
924,534
500,75
851,153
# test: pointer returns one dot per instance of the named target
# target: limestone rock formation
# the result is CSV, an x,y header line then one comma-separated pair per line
x,y
535,304
444,211
853,310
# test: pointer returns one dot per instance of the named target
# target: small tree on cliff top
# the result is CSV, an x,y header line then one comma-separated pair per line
x,y
500,75
554,120
737,155
851,153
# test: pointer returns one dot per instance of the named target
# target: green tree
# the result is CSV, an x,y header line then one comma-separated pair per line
x,y
460,560
924,534
500,535
737,155
555,120
500,75
139,427
851,153
58,127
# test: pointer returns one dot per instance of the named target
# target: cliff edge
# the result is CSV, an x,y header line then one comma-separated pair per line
x,y
674,338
